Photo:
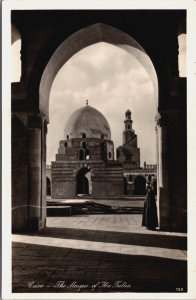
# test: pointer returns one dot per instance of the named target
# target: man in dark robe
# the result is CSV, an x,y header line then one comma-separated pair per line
x,y
150,219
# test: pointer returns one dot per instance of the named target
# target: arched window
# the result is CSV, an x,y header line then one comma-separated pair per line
x,y
128,126
81,154
84,135
109,154
65,144
67,136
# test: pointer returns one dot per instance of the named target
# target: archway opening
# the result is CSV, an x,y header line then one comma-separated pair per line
x,y
117,41
95,78
140,185
83,182
48,187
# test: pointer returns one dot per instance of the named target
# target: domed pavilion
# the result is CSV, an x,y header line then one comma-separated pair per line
x,y
85,162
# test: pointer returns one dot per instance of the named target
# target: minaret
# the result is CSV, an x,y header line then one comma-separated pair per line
x,y
128,133
129,153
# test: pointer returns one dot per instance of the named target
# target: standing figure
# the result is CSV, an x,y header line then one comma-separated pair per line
x,y
150,219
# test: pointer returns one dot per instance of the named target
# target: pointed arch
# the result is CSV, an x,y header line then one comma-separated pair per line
x,y
83,182
83,38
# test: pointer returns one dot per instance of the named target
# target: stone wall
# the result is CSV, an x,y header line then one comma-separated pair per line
x,y
98,149
107,178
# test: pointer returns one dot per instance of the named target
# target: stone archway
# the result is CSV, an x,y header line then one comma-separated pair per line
x,y
83,38
40,64
140,185
83,182
70,46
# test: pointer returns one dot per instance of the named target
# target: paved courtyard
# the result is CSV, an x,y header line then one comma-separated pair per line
x,y
99,253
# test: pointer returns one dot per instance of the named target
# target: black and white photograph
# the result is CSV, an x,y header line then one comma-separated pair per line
x,y
98,152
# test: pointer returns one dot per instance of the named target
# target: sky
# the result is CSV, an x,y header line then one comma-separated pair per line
x,y
113,81
16,64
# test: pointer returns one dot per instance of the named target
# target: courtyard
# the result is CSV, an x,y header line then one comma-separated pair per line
x,y
99,253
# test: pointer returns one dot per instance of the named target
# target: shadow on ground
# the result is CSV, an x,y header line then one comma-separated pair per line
x,y
141,239
38,269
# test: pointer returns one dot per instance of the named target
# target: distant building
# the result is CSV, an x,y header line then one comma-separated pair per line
x,y
85,162
135,179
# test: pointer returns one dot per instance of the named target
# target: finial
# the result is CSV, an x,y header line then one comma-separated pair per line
x,y
87,102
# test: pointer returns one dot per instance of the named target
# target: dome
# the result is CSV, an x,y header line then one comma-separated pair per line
x,y
87,122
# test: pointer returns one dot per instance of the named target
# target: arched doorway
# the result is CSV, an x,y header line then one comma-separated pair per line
x,y
125,185
48,187
83,182
140,185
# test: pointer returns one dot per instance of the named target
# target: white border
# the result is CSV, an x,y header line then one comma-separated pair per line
x,y
7,6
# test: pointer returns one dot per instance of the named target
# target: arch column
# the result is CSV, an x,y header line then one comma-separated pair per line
x,y
43,153
36,172
163,197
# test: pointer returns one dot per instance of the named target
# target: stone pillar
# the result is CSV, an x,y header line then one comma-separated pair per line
x,y
43,152
35,172
163,196
19,172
